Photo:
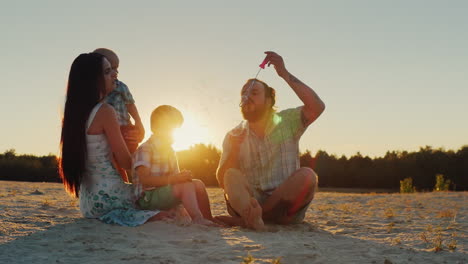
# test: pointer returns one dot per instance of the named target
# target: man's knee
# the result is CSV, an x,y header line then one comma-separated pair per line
x,y
304,183
308,177
235,185
232,176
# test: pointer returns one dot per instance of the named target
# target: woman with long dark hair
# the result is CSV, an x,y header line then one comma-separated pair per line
x,y
90,138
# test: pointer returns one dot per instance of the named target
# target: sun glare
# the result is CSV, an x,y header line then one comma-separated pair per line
x,y
190,133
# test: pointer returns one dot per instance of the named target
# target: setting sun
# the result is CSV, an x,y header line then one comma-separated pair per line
x,y
191,132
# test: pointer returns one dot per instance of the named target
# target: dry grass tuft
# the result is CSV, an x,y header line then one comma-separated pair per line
x,y
429,228
396,241
452,244
389,213
344,207
276,261
73,203
424,237
323,208
248,260
46,203
436,241
449,213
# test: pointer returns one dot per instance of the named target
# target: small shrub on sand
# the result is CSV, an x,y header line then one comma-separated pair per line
x,y
406,186
452,244
441,183
437,243
434,242
424,237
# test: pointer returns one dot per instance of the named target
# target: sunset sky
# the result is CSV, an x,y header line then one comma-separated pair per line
x,y
393,74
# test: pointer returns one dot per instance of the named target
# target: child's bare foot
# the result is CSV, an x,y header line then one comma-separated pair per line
x,y
181,216
163,215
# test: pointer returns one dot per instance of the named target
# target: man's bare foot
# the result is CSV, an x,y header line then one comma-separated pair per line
x,y
253,216
229,220
206,222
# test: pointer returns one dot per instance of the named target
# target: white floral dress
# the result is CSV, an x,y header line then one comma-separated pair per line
x,y
103,193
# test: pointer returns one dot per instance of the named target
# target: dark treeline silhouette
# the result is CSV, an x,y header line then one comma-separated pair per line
x,y
28,167
356,171
202,161
386,172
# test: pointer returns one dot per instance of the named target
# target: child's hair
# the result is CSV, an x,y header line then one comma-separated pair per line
x,y
110,55
166,117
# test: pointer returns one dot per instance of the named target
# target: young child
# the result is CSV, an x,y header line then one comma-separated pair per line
x,y
158,182
122,101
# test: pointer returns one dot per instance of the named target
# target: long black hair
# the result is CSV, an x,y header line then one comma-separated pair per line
x,y
84,90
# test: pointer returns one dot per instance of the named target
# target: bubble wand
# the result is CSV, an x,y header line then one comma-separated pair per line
x,y
245,97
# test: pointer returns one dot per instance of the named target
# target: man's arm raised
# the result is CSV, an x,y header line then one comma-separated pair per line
x,y
313,105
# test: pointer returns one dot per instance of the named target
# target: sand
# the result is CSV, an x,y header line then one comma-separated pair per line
x,y
40,223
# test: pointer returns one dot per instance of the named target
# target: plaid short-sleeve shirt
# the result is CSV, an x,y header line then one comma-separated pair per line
x,y
161,162
269,161
119,98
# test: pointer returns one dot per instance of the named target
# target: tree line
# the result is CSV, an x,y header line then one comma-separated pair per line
x,y
356,171
386,172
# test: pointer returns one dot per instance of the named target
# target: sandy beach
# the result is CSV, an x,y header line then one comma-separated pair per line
x,y
40,223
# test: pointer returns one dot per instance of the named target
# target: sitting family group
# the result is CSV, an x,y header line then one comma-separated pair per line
x,y
259,168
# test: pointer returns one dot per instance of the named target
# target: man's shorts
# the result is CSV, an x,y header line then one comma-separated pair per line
x,y
161,198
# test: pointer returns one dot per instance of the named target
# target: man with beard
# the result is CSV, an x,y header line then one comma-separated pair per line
x,y
259,169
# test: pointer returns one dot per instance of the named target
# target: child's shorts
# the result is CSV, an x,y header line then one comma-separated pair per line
x,y
161,198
